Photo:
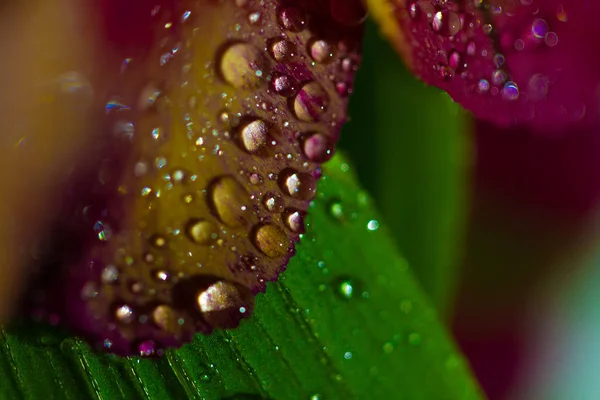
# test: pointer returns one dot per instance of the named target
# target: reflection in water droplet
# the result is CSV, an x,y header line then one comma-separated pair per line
x,y
241,65
254,135
201,231
297,184
311,102
336,210
271,240
228,200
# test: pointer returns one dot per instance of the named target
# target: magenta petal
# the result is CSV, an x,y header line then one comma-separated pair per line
x,y
531,61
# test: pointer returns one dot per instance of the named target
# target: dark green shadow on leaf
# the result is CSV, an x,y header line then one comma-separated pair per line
x,y
410,149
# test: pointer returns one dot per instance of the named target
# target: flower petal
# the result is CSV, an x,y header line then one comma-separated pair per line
x,y
215,129
531,62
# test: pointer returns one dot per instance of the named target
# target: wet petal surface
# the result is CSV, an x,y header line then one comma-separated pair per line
x,y
215,119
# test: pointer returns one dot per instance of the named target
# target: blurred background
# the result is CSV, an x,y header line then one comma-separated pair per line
x,y
498,226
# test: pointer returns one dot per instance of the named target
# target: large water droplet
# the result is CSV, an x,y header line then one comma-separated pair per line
x,y
311,102
271,240
228,200
297,184
241,65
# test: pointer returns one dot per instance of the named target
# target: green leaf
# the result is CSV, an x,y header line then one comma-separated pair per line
x,y
410,146
345,321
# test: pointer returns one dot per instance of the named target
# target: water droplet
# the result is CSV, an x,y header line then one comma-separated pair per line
x,y
285,86
388,347
158,241
147,348
347,355
446,23
110,274
346,287
201,231
292,19
294,220
228,199
317,147
124,314
336,210
281,50
103,231
321,51
311,102
297,184
373,225
271,240
254,135
166,319
510,91
220,304
239,65
414,339
273,202
539,28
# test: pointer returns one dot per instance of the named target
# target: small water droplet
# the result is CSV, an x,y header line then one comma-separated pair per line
x,y
110,274
294,220
254,135
292,19
124,314
166,319
147,348
414,339
284,85
373,225
321,51
297,184
317,147
273,202
201,231
281,50
103,231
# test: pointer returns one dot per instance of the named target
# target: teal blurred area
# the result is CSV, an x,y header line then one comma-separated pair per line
x,y
410,150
